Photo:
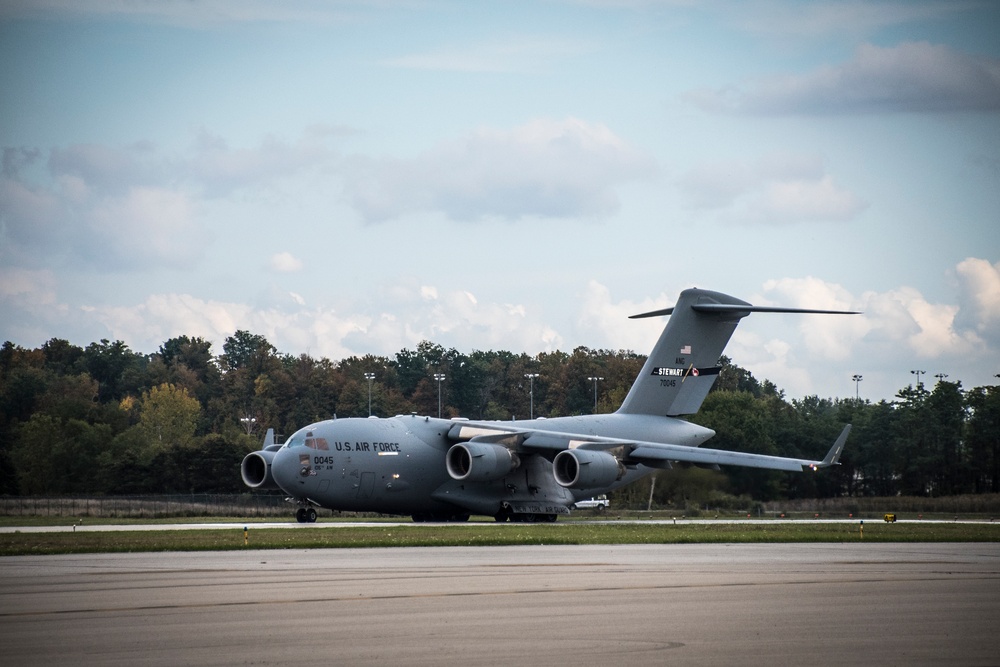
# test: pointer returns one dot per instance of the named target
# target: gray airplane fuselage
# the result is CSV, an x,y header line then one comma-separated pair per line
x,y
397,465
525,470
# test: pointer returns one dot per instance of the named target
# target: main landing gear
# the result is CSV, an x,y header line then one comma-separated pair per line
x,y
430,516
507,514
306,515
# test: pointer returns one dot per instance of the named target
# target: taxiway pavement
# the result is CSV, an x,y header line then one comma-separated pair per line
x,y
760,604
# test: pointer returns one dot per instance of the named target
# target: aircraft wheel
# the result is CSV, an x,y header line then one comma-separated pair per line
x,y
300,515
310,515
503,515
550,518
417,518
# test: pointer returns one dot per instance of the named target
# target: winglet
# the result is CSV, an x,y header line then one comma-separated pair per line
x,y
832,457
268,438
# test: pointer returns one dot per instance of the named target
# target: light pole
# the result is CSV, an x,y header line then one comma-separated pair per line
x,y
918,374
369,377
531,391
594,379
440,378
941,376
857,381
248,423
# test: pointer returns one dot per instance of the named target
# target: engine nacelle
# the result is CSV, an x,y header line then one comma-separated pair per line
x,y
480,462
256,470
586,469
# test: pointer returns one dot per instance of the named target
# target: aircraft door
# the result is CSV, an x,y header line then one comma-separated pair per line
x,y
367,485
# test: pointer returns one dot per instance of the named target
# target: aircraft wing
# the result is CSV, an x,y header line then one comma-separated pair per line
x,y
652,454
531,438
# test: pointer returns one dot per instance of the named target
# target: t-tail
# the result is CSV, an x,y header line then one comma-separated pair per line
x,y
684,364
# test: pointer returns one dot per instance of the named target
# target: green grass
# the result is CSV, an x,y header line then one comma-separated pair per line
x,y
486,535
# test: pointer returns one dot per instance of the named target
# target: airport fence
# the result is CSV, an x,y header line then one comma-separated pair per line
x,y
147,507
979,504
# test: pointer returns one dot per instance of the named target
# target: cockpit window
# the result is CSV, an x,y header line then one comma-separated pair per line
x,y
318,443
307,438
298,438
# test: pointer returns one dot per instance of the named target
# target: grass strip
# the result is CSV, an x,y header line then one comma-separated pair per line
x,y
484,535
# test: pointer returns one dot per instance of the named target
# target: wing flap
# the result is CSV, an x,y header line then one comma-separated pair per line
x,y
654,453
658,453
559,441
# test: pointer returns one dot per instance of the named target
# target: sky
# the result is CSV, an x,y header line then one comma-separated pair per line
x,y
350,178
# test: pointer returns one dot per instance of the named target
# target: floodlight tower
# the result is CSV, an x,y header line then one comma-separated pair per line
x,y
439,377
369,377
531,391
595,379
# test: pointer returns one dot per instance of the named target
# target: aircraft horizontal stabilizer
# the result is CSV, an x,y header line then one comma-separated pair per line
x,y
741,308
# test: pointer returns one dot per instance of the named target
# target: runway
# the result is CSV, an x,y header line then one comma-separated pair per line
x,y
129,527
816,604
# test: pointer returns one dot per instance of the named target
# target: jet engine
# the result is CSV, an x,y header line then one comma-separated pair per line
x,y
256,470
586,469
480,461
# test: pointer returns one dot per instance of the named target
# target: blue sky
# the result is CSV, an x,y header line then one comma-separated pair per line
x,y
355,177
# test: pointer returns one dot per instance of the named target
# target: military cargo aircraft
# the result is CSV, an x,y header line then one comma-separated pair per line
x,y
525,470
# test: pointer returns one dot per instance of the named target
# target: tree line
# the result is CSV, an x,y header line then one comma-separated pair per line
x,y
103,419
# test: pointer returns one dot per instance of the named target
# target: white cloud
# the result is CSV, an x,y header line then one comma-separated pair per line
x,y
909,77
777,189
31,217
607,324
30,288
980,298
218,169
163,316
29,305
824,336
845,17
185,14
897,331
455,319
148,225
135,206
108,169
545,168
285,262
515,54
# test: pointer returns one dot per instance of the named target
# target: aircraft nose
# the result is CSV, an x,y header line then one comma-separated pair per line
x,y
285,468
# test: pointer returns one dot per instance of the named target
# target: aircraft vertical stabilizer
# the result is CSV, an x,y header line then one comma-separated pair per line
x,y
683,365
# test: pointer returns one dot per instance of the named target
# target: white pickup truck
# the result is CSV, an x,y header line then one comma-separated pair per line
x,y
600,503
